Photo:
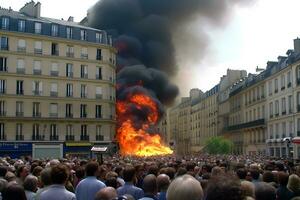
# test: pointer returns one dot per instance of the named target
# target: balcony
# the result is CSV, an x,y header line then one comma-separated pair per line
x,y
55,53
282,88
84,56
37,72
70,138
19,114
84,137
69,95
2,113
37,92
84,76
83,95
98,57
83,115
99,96
4,47
38,51
70,54
276,91
38,137
256,123
69,115
2,137
36,114
262,96
277,114
19,137
53,115
98,116
298,108
53,73
20,70
54,137
271,116
298,81
21,49
289,84
99,137
69,74
20,92
283,113
53,94
98,77
2,91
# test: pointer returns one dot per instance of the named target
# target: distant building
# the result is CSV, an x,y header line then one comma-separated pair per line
x,y
57,85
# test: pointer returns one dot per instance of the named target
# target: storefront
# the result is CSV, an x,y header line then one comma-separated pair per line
x,y
77,149
48,151
15,149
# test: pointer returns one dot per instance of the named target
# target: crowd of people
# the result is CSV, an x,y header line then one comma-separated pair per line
x,y
202,177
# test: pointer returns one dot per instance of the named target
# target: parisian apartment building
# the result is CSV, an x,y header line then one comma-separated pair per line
x,y
259,112
57,85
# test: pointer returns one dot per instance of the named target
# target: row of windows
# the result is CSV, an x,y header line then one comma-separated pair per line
x,y
56,30
255,94
37,89
274,106
255,114
285,82
39,50
54,110
282,130
39,132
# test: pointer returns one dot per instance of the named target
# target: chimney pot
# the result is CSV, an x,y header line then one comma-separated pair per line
x,y
71,19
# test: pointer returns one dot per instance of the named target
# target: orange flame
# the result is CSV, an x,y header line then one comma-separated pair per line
x,y
134,141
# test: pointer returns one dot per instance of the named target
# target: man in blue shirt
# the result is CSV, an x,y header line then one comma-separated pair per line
x,y
129,178
163,182
88,187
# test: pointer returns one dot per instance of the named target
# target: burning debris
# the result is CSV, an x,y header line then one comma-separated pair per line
x,y
144,35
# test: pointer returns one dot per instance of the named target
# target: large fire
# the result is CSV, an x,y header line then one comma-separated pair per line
x,y
138,141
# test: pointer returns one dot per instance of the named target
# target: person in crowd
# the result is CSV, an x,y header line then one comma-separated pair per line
x,y
163,182
185,187
3,184
129,188
88,187
13,191
22,172
107,193
57,191
255,175
79,175
3,171
224,187
283,193
264,191
30,185
45,182
37,171
269,177
294,184
150,187
248,189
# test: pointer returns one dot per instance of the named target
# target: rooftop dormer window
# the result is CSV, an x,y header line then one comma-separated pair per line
x,y
98,37
69,32
21,25
5,23
54,30
83,34
37,27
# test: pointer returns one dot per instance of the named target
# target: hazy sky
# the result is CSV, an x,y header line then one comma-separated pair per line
x,y
253,35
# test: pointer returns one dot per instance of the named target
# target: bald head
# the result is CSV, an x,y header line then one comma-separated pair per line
x,y
149,184
162,182
106,193
185,187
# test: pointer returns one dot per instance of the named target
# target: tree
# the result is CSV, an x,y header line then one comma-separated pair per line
x,y
218,145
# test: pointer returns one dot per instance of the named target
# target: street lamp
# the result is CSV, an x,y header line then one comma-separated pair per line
x,y
287,140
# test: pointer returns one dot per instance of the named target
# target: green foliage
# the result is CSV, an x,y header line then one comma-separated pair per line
x,y
218,145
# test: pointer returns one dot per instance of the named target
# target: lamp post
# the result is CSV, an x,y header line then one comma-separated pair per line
x,y
287,140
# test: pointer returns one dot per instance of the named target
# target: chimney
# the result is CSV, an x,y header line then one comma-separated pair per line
x,y
297,45
71,19
31,9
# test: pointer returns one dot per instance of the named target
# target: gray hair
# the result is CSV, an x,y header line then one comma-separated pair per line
x,y
46,176
30,183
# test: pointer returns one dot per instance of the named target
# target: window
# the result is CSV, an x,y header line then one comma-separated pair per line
x,y
53,110
282,82
98,92
270,88
283,126
99,73
84,71
2,86
263,111
53,132
69,129
276,85
54,49
276,107
84,53
37,88
69,70
298,101
19,89
38,47
54,69
2,132
271,132
54,30
99,37
271,109
37,28
36,132
277,130
21,45
4,43
53,90
37,67
290,102
20,66
69,110
69,31
3,64
291,132
70,51
83,91
262,91
5,23
36,109
69,90
84,132
83,113
99,137
19,108
19,131
283,106
298,127
2,108
98,111
83,34
98,54
289,79
21,25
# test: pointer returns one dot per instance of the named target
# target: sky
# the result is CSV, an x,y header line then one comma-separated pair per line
x,y
254,34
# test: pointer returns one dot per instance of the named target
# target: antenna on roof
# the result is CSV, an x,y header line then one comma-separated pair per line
x,y
259,69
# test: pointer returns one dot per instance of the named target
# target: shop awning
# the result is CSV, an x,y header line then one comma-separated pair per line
x,y
78,144
296,140
99,149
